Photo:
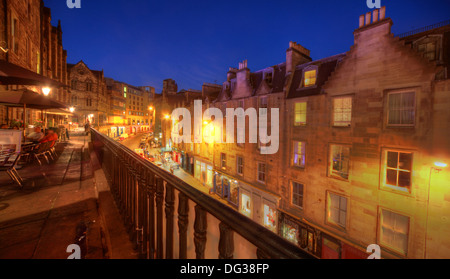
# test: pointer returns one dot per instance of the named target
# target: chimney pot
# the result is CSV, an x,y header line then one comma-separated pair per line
x,y
375,15
368,17
361,21
382,12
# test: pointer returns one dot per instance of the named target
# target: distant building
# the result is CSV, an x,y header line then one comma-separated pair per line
x,y
89,95
29,41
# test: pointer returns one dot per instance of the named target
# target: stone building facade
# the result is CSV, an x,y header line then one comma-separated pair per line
x,y
28,40
363,146
88,95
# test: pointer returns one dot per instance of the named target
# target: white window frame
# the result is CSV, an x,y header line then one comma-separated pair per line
x,y
414,108
338,223
239,166
301,112
258,171
301,154
302,194
406,189
332,172
343,112
395,231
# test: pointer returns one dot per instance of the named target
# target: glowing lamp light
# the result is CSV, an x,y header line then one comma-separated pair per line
x,y
150,108
46,91
72,109
440,164
167,116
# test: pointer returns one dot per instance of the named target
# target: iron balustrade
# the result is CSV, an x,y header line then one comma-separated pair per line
x,y
146,197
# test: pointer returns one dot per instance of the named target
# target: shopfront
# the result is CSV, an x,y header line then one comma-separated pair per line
x,y
300,233
227,188
203,171
258,205
189,164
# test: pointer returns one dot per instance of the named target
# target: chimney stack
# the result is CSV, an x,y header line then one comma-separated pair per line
x,y
375,16
368,18
296,55
243,65
361,21
382,12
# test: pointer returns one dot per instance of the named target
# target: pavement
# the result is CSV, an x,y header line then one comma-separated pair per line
x,y
62,203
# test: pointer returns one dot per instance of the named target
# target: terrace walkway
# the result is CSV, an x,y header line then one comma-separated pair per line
x,y
65,202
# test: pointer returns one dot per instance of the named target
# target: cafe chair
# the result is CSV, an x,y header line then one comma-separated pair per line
x,y
8,160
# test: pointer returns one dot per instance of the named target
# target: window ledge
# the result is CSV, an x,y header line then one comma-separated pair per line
x,y
340,126
397,189
339,178
307,87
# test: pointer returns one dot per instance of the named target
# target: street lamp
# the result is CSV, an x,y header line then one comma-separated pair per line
x,y
71,109
46,91
438,168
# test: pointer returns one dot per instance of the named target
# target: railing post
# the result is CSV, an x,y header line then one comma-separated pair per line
x,y
141,214
183,220
200,227
151,216
170,201
226,242
159,217
262,255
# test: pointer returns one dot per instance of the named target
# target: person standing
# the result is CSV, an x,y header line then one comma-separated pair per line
x,y
87,127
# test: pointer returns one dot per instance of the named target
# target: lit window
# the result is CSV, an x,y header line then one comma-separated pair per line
x,y
261,177
297,194
299,156
398,168
337,210
234,193
270,216
340,160
246,205
240,165
394,230
290,232
300,114
401,109
310,78
223,160
342,111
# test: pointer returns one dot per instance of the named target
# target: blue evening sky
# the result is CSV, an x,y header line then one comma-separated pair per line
x,y
143,42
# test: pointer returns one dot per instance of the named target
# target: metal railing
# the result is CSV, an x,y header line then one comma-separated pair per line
x,y
424,29
146,193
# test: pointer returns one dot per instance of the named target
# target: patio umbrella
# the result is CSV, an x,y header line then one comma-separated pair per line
x,y
28,99
16,75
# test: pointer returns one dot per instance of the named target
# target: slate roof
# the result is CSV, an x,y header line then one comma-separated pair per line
x,y
325,67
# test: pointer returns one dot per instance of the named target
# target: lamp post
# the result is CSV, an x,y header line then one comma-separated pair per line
x,y
438,167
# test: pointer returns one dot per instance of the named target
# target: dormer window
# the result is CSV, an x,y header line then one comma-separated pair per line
x,y
430,47
268,77
309,78
429,50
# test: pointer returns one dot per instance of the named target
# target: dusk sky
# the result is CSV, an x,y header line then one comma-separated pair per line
x,y
143,42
